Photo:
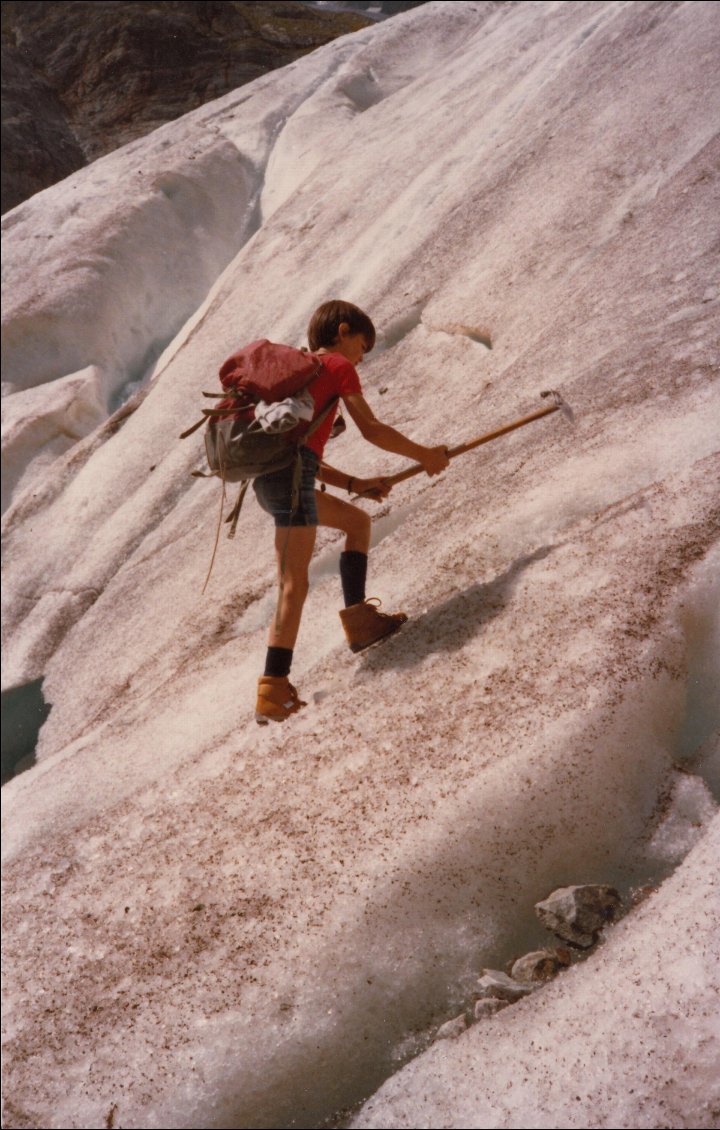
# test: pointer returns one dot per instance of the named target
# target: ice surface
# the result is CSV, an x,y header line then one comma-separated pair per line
x,y
46,421
690,807
216,925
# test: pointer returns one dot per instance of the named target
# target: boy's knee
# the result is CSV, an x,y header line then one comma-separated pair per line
x,y
296,587
358,530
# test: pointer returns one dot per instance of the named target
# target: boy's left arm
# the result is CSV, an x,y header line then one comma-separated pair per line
x,y
376,488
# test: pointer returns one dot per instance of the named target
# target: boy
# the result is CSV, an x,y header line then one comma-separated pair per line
x,y
342,334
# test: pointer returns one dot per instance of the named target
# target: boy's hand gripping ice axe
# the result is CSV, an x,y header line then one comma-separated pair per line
x,y
558,405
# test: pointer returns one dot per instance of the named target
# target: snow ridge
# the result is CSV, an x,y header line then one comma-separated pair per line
x,y
242,927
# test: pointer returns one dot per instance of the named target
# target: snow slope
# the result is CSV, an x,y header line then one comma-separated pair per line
x,y
217,925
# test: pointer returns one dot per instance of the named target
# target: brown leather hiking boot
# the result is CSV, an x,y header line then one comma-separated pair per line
x,y
277,699
365,625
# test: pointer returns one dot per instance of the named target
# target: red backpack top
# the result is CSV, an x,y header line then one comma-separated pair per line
x,y
262,370
269,372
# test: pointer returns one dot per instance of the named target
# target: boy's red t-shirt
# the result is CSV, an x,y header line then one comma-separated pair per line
x,y
336,378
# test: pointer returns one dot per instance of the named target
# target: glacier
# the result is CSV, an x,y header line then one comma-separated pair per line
x,y
209,924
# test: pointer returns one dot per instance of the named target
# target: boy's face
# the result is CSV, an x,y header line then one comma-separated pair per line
x,y
352,346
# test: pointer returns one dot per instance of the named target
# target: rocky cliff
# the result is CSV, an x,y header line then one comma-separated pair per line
x,y
215,924
82,78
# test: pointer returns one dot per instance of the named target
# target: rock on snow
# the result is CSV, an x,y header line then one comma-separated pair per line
x,y
578,914
214,926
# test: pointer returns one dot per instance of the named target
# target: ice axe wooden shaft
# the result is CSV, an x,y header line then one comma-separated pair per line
x,y
558,405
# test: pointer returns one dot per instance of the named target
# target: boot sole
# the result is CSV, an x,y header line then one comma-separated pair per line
x,y
263,719
357,647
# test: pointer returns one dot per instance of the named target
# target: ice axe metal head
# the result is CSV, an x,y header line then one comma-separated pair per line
x,y
560,403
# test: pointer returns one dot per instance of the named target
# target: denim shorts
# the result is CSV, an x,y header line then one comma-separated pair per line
x,y
274,492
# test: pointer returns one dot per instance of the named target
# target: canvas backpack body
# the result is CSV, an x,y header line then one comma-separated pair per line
x,y
237,444
237,450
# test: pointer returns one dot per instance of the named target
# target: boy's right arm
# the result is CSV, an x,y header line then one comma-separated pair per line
x,y
433,459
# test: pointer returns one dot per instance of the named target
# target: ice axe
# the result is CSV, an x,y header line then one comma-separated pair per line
x,y
558,405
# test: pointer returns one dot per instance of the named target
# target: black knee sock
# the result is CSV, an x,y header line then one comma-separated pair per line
x,y
353,572
278,661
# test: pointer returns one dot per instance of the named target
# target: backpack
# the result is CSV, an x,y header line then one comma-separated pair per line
x,y
240,446
260,372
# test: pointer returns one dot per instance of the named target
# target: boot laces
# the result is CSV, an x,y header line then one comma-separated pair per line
x,y
376,603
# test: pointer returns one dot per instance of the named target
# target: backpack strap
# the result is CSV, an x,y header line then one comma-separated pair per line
x,y
235,512
207,415
217,537
217,413
316,423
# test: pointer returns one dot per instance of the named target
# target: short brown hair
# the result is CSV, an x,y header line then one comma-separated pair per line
x,y
324,328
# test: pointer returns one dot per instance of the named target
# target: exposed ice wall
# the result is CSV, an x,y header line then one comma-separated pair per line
x,y
606,1045
256,924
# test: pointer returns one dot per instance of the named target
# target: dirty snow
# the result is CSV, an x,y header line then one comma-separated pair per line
x,y
215,925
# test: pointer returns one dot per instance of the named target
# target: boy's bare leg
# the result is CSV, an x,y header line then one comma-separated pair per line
x,y
340,515
363,623
295,546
